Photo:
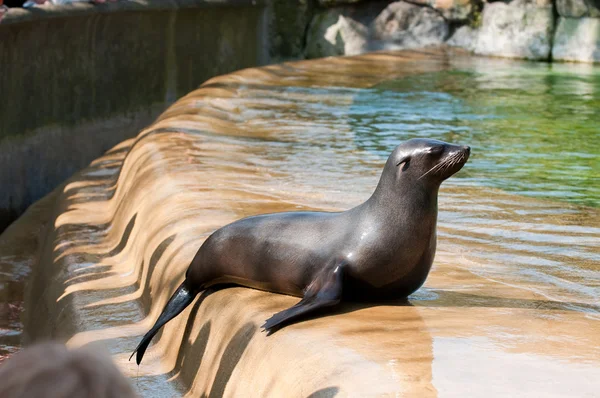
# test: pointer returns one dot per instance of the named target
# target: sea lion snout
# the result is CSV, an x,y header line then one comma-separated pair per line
x,y
453,161
429,160
461,151
465,151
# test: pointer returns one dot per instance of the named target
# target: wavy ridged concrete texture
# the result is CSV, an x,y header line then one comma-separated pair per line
x,y
120,234
78,79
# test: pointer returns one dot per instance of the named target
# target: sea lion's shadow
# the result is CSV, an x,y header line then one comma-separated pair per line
x,y
344,307
430,298
194,351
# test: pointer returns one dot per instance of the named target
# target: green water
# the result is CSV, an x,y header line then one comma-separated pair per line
x,y
534,129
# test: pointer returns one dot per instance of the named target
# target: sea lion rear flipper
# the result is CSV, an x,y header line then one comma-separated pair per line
x,y
324,291
182,297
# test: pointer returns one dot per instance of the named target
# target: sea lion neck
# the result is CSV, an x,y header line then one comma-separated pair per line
x,y
394,193
410,200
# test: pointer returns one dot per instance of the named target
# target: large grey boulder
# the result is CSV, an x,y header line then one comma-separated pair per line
x,y
403,25
578,8
452,10
519,29
336,31
464,37
374,26
577,40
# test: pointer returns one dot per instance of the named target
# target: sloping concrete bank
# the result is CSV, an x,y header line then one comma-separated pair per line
x,y
119,235
122,232
77,79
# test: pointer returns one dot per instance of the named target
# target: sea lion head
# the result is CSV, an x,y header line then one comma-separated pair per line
x,y
427,160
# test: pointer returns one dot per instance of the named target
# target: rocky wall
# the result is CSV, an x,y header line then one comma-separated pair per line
x,y
544,30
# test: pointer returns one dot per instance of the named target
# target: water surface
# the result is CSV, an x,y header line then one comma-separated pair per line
x,y
534,128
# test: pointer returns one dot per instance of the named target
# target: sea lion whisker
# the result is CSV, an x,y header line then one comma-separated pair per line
x,y
433,169
443,165
451,163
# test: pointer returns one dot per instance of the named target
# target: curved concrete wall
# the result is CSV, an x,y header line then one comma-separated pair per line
x,y
122,232
77,79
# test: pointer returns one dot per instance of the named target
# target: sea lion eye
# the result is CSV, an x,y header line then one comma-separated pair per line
x,y
435,150
404,162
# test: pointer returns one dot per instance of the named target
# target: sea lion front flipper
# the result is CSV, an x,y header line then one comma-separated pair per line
x,y
324,291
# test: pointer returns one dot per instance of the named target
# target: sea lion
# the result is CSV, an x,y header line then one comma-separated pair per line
x,y
380,249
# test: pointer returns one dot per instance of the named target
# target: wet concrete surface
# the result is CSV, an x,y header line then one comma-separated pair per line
x,y
510,308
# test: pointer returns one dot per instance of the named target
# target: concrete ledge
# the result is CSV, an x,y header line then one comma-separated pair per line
x,y
77,79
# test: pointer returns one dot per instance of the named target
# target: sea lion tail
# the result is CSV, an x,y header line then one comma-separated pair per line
x,y
182,297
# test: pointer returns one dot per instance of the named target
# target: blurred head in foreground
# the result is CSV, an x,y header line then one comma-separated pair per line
x,y
3,10
49,370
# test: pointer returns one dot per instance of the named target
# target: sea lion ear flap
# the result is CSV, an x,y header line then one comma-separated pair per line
x,y
404,161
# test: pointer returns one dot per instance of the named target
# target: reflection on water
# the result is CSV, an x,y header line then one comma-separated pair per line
x,y
18,248
10,324
533,128
516,278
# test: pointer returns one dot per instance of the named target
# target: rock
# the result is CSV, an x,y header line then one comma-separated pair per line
x,y
331,33
577,40
578,8
404,25
571,8
464,37
374,26
342,30
519,29
452,10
